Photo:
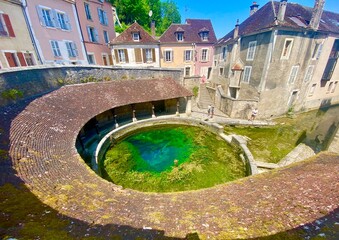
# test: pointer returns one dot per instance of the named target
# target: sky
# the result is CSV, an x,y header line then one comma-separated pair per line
x,y
224,13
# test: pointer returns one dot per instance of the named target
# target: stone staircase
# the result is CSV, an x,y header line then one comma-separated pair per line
x,y
204,97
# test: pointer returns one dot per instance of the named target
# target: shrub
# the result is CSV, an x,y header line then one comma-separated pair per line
x,y
12,94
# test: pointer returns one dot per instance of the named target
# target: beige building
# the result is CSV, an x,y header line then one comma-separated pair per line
x,y
16,47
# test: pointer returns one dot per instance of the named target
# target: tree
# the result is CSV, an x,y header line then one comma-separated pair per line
x,y
164,13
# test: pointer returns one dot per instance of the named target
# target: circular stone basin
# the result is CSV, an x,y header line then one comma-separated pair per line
x,y
171,158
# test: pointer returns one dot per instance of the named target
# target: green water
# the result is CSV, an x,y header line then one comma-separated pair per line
x,y
145,160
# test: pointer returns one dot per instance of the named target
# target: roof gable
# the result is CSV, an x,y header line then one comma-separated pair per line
x,y
191,30
127,36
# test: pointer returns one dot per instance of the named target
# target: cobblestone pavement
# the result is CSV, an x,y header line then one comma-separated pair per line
x,y
40,136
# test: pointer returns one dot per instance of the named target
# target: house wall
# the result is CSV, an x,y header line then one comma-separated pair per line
x,y
131,56
22,42
202,66
178,56
45,34
100,48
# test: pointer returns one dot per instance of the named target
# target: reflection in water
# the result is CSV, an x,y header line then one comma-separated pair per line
x,y
324,131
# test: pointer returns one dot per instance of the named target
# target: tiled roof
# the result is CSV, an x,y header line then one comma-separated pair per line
x,y
191,30
127,36
296,17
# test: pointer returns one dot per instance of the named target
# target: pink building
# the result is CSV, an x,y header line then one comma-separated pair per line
x,y
97,26
56,31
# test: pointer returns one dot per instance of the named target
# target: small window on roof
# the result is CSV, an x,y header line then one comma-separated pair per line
x,y
204,36
136,36
180,36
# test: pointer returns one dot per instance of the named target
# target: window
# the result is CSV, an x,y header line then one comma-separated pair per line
x,y
317,50
106,38
105,59
63,21
287,48
121,55
72,49
187,71
247,74
312,89
204,36
204,55
251,50
180,36
221,71
168,55
55,48
102,17
309,73
29,59
88,12
92,34
334,87
12,59
224,53
136,36
293,74
188,55
332,61
148,55
90,58
329,88
47,19
6,28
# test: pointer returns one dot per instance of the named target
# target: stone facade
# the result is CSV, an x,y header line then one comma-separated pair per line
x,y
277,65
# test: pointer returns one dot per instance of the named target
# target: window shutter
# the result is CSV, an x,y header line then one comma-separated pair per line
x,y
172,57
116,56
137,52
8,25
68,22
105,18
21,59
75,49
153,55
126,55
89,34
99,15
96,35
55,19
10,60
144,55
40,15
110,59
69,49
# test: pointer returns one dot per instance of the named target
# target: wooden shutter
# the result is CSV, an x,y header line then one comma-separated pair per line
x,y
41,18
8,25
68,22
126,55
144,55
137,52
116,56
110,59
21,59
11,61
153,55
55,19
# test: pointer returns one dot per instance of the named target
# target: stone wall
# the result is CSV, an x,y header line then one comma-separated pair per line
x,y
37,81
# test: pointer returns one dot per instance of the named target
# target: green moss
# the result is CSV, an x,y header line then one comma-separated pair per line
x,y
12,94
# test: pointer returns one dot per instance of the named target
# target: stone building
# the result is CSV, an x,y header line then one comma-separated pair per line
x,y
16,47
282,58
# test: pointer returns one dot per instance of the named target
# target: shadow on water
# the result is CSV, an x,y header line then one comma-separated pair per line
x,y
320,137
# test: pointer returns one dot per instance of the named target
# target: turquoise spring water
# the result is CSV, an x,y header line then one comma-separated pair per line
x,y
157,149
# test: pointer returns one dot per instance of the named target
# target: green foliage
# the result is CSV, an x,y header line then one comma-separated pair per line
x,y
12,94
163,13
195,91
88,79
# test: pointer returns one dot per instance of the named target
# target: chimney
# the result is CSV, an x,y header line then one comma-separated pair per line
x,y
153,28
253,8
236,30
282,10
316,14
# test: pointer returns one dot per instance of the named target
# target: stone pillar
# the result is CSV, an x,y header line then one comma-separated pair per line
x,y
178,105
153,113
115,121
134,119
189,106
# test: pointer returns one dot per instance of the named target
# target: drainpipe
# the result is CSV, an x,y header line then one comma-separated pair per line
x,y
24,8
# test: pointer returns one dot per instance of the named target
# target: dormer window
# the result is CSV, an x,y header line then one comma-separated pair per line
x,y
136,36
180,36
204,36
